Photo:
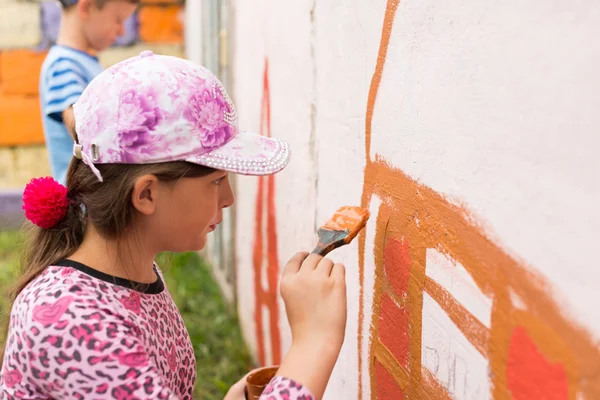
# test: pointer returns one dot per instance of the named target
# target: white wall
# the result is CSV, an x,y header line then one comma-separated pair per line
x,y
486,117
291,93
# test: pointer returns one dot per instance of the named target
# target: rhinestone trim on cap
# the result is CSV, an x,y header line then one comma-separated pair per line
x,y
247,166
229,117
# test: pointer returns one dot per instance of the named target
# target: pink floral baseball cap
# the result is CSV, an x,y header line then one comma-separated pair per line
x,y
155,108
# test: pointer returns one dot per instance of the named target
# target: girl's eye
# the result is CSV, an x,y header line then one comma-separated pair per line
x,y
218,181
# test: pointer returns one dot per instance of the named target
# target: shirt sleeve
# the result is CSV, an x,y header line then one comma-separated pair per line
x,y
91,352
65,82
281,388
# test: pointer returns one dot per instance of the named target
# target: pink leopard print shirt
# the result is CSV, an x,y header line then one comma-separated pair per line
x,y
76,333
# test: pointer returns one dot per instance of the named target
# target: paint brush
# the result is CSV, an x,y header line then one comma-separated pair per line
x,y
341,229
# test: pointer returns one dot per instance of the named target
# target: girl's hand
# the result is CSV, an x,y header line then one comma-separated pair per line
x,y
314,291
236,392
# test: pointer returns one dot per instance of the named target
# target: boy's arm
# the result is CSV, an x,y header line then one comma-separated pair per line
x,y
69,121
65,82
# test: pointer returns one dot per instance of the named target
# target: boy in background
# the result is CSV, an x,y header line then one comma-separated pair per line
x,y
86,27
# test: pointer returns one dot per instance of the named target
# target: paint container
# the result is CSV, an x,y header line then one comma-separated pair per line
x,y
258,380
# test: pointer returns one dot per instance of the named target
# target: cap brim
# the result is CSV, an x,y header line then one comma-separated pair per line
x,y
247,154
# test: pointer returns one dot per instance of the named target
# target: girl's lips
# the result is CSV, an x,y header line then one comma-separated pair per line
x,y
213,226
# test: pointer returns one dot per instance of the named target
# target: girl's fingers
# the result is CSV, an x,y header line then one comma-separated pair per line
x,y
311,262
325,266
294,264
338,273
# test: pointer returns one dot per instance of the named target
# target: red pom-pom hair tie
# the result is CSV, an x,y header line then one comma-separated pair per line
x,y
45,202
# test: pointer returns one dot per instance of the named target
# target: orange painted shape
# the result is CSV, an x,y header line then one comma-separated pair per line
x,y
161,24
520,367
393,329
387,388
396,264
20,71
20,121
529,375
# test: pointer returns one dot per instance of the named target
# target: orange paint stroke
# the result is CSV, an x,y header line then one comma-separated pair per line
x,y
390,13
386,33
413,214
266,297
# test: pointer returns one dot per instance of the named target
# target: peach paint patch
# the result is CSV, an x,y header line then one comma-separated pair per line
x,y
388,388
393,329
396,264
529,375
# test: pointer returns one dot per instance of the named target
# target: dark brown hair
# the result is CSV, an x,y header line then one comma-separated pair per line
x,y
106,205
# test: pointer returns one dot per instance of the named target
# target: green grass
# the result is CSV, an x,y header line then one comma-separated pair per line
x,y
221,355
9,257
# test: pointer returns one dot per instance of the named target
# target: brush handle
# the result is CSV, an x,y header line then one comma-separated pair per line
x,y
322,249
329,240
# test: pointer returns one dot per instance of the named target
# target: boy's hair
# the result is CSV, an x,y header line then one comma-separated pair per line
x,y
66,4
106,205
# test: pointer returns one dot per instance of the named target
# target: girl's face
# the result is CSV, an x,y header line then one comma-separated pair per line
x,y
187,210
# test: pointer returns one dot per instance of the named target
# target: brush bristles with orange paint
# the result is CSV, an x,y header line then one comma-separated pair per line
x,y
341,229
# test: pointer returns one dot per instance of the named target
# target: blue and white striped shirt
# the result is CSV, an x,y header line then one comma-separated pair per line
x,y
64,75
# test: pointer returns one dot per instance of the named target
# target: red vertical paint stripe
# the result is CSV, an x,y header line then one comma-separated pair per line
x,y
266,296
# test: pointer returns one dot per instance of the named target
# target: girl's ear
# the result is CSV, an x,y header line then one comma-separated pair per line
x,y
145,194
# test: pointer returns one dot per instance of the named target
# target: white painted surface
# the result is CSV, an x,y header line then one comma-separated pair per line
x,y
283,41
492,104
452,359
